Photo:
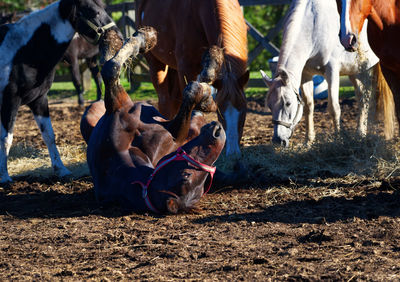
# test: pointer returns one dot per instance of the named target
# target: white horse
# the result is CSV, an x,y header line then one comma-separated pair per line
x,y
311,46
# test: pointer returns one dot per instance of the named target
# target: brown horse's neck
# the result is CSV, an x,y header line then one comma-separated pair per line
x,y
115,97
382,13
234,35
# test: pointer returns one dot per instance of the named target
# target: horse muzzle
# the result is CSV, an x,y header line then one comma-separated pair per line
x,y
349,42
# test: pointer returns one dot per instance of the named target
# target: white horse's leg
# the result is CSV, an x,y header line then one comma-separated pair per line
x,y
46,129
333,80
307,89
364,100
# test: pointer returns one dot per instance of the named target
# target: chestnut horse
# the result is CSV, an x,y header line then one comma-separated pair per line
x,y
141,160
383,35
187,28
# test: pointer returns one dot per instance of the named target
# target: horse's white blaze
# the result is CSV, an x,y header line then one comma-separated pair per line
x,y
46,129
231,116
345,26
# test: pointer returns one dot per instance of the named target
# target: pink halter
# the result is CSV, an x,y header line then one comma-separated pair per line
x,y
180,155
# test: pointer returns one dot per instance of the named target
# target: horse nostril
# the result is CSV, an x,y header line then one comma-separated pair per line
x,y
285,143
353,40
217,131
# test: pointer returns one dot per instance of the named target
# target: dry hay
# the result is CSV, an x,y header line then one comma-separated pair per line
x,y
336,155
26,161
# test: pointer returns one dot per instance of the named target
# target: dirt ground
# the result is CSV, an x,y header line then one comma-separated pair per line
x,y
319,229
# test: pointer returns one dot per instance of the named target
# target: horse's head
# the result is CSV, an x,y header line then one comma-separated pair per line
x,y
182,181
352,17
286,106
232,104
88,17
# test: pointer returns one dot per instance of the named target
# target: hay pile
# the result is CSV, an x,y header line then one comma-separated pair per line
x,y
27,161
338,155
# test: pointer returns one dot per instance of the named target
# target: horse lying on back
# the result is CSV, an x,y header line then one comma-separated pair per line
x,y
29,52
138,158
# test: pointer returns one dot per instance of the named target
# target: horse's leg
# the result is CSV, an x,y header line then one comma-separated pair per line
x,y
363,97
76,78
9,110
195,95
393,80
307,88
333,80
165,80
40,109
94,69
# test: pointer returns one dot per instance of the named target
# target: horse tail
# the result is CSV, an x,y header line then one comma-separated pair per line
x,y
90,117
384,102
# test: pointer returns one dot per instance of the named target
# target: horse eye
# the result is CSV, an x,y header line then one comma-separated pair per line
x,y
187,175
288,104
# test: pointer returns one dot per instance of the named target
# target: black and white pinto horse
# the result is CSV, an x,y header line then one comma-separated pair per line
x,y
29,52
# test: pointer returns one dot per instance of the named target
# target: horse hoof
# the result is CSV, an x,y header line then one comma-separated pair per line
x,y
81,101
150,36
62,172
5,180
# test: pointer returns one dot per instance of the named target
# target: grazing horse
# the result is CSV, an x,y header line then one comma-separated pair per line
x,y
311,46
29,51
186,28
138,158
80,48
383,35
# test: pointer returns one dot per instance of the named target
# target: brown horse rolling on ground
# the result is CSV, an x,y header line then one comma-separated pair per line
x,y
185,29
141,160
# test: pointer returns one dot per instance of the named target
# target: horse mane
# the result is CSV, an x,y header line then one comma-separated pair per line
x,y
37,15
234,42
100,3
292,30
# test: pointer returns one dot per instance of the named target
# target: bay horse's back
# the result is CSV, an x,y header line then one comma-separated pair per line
x,y
90,117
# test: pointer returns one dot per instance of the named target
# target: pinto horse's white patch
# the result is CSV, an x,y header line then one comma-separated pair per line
x,y
22,31
231,116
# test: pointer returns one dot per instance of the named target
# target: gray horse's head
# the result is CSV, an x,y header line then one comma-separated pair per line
x,y
286,106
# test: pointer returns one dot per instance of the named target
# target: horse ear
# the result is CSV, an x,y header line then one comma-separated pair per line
x,y
242,81
268,81
172,205
284,76
65,8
